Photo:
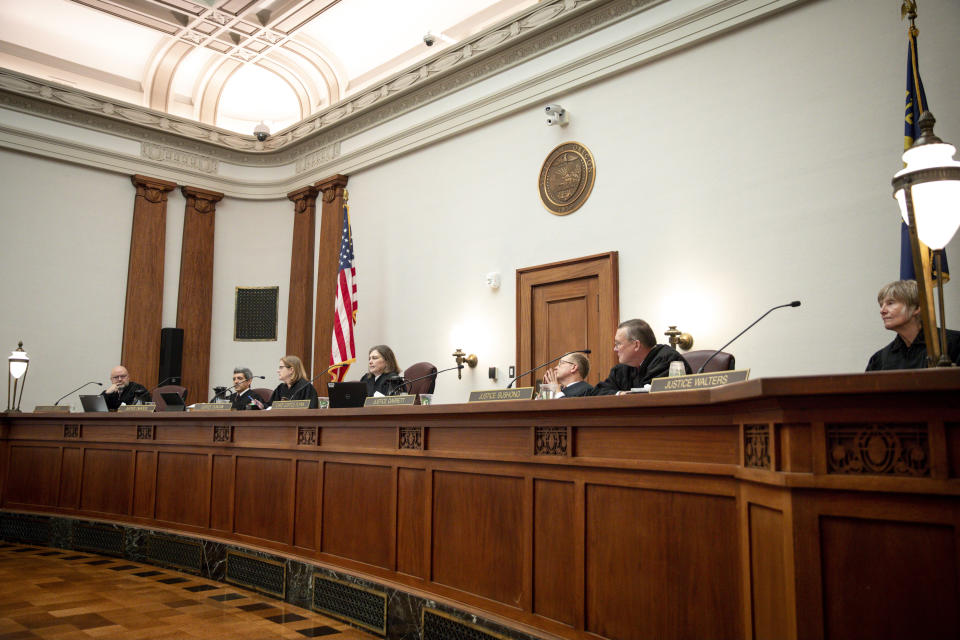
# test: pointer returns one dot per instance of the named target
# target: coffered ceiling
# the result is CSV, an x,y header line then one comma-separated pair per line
x,y
233,63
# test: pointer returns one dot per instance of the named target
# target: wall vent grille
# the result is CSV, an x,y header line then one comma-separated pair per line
x,y
356,604
181,554
267,576
438,625
98,539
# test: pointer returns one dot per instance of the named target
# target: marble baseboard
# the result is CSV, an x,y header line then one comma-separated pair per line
x,y
404,611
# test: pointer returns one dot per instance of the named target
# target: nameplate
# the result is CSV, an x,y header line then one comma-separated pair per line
x,y
698,380
523,393
149,407
51,408
387,401
291,404
210,406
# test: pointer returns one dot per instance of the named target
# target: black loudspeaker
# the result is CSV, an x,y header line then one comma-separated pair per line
x,y
171,355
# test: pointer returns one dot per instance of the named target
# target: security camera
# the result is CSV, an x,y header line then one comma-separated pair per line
x,y
429,39
555,114
261,131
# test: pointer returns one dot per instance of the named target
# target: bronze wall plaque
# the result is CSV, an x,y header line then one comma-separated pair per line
x,y
566,178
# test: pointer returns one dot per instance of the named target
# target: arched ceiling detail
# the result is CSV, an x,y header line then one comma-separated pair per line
x,y
163,68
135,50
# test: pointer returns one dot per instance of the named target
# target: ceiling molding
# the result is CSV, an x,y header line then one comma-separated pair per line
x,y
172,149
498,48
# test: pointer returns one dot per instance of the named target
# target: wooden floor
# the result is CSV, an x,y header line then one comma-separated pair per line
x,y
52,593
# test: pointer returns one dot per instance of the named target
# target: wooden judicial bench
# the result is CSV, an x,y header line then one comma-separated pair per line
x,y
803,507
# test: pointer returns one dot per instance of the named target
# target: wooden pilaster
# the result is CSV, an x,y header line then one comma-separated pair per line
x,y
300,300
142,317
331,222
195,299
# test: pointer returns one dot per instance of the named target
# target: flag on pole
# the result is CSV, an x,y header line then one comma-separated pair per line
x,y
344,351
916,104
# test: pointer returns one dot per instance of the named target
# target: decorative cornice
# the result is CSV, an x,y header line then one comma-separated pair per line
x,y
170,152
184,159
557,21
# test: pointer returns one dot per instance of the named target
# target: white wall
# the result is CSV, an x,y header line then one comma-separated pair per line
x,y
66,244
745,172
252,244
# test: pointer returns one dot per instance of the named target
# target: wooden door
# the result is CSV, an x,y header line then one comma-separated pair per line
x,y
567,306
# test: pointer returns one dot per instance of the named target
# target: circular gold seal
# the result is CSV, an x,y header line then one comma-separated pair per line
x,y
566,178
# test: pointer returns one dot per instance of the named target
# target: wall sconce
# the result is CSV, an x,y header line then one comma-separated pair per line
x,y
677,337
462,358
18,363
928,192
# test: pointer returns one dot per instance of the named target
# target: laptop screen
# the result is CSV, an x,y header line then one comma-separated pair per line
x,y
346,394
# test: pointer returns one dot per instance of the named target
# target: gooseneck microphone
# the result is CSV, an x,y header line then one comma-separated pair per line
x,y
540,366
77,389
795,303
429,375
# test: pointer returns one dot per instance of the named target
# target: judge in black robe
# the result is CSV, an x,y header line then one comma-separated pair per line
x,y
123,391
641,359
244,398
900,311
569,375
383,373
294,384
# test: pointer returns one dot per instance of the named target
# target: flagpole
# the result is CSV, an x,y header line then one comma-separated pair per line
x,y
920,251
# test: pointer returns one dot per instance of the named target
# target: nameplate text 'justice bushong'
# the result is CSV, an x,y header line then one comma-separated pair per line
x,y
523,393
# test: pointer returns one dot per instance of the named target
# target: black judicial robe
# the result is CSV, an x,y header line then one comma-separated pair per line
x,y
576,389
130,394
386,384
897,355
624,377
241,401
301,390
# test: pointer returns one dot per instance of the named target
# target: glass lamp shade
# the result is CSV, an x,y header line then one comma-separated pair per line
x,y
934,177
18,361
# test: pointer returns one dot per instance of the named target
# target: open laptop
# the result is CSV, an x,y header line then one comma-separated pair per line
x,y
96,404
346,394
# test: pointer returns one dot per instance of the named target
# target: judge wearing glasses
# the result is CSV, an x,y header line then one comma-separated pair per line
x,y
122,390
569,374
641,359
294,384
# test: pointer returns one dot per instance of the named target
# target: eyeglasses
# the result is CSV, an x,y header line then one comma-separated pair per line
x,y
283,366
621,345
123,377
572,364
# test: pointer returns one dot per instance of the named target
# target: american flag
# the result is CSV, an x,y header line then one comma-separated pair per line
x,y
344,350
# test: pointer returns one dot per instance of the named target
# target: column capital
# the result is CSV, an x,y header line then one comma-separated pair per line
x,y
202,200
303,198
152,189
332,187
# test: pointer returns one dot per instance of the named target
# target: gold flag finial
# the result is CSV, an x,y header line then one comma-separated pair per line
x,y
909,10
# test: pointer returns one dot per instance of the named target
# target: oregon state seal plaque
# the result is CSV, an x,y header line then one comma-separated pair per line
x,y
566,178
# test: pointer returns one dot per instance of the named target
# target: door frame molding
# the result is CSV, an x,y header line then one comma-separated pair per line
x,y
605,266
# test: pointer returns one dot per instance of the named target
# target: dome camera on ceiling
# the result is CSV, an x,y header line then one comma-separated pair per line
x,y
261,131
429,39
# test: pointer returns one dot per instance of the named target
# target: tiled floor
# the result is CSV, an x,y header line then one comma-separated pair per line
x,y
66,595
